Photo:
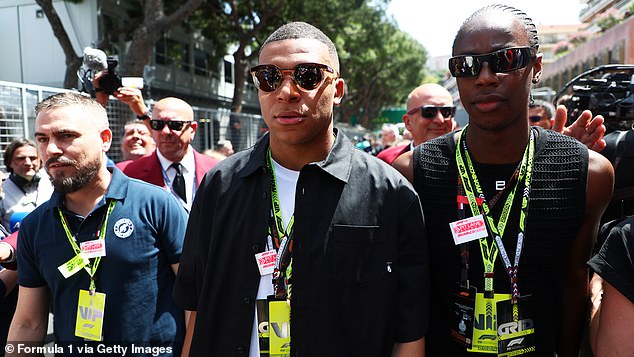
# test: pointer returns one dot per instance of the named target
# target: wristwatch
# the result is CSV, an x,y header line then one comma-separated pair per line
x,y
145,116
11,257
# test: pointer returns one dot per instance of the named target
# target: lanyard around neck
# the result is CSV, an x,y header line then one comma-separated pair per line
x,y
489,253
91,269
277,207
282,238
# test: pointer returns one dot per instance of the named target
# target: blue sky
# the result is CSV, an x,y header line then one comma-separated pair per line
x,y
434,23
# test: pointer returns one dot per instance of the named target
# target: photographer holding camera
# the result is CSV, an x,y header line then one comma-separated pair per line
x,y
136,141
98,77
174,164
608,90
131,96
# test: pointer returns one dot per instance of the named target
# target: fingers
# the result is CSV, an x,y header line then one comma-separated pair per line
x,y
588,130
133,97
599,145
130,91
102,98
584,118
561,115
129,94
596,124
593,133
592,138
98,75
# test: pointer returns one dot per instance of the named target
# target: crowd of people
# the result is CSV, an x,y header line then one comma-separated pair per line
x,y
455,242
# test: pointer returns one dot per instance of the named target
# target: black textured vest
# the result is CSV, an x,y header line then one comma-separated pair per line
x,y
556,210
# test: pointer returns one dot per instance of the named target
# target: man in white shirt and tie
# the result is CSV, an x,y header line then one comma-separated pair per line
x,y
173,129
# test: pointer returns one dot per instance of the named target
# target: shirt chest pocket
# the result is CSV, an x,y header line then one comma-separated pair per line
x,y
361,254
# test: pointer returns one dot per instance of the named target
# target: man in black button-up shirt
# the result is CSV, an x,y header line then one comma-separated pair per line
x,y
359,252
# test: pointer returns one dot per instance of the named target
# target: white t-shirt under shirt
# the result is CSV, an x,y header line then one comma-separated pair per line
x,y
286,181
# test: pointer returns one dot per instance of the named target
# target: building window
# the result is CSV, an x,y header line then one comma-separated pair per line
x,y
201,63
160,52
228,72
171,52
184,63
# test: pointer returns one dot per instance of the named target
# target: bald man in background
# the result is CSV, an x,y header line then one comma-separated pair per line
x,y
430,113
174,165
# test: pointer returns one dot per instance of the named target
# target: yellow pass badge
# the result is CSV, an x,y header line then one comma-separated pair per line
x,y
485,335
74,265
279,329
90,313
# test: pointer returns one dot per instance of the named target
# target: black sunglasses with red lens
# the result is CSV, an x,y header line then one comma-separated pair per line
x,y
430,111
176,125
306,76
500,61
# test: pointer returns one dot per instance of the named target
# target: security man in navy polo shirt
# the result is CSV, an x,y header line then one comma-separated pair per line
x,y
103,251
304,245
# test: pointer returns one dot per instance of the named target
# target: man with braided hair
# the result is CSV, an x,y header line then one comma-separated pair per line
x,y
513,210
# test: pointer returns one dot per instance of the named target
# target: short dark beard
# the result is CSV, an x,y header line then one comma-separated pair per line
x,y
82,177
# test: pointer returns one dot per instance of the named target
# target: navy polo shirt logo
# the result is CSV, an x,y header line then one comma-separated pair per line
x,y
123,228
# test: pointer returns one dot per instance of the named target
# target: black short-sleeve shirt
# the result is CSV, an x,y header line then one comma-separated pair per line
x,y
615,260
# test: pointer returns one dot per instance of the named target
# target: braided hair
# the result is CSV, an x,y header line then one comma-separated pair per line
x,y
527,22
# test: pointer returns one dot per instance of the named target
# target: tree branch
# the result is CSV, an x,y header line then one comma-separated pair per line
x,y
58,28
72,60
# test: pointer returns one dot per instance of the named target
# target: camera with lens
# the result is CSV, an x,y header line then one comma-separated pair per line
x,y
605,90
609,91
95,61
110,81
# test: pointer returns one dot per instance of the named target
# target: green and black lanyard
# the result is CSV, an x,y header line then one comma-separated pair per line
x,y
90,268
472,188
282,240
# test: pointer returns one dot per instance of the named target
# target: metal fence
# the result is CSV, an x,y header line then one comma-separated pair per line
x,y
17,119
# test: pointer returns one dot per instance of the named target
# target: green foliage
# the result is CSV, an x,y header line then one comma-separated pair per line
x,y
380,63
629,11
437,76
609,19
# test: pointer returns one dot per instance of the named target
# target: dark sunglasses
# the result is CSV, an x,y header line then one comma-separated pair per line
x,y
535,118
500,61
177,125
306,76
430,111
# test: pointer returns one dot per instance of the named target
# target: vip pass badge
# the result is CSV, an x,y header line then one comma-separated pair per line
x,y
486,337
279,329
90,314
91,304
